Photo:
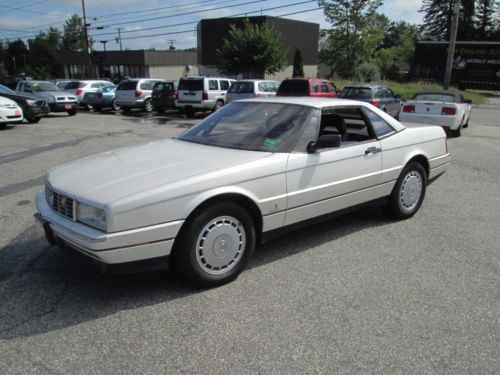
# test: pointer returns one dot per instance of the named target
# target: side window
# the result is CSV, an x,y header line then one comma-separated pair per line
x,y
314,86
378,93
212,84
387,93
147,85
224,85
27,87
332,87
95,85
390,93
380,126
263,87
324,87
348,122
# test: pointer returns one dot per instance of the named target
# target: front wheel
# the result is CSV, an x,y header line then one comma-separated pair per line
x,y
215,245
408,193
33,120
115,106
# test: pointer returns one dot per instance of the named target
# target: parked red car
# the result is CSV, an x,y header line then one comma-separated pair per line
x,y
307,87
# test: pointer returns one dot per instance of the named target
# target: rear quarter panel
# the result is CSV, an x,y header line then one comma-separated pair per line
x,y
400,148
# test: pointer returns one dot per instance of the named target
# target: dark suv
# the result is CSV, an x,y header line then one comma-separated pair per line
x,y
163,95
315,87
376,94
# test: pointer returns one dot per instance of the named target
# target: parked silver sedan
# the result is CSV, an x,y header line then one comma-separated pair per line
x,y
204,199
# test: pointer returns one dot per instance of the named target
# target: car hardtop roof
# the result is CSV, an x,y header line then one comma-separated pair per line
x,y
255,80
306,79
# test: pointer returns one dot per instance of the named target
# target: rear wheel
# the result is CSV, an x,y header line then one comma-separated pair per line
x,y
73,112
115,106
215,245
457,132
218,105
408,193
189,112
148,106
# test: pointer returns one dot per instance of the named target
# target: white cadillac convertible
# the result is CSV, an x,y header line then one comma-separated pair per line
x,y
203,200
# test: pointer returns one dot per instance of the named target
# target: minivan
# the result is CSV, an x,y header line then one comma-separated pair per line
x,y
135,93
251,88
315,87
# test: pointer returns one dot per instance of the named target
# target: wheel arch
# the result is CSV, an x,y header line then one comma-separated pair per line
x,y
238,197
423,161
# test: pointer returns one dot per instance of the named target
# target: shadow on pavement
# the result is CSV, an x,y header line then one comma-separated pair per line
x,y
42,289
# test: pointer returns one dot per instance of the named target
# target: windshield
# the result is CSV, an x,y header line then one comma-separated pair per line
x,y
435,97
44,86
6,90
268,127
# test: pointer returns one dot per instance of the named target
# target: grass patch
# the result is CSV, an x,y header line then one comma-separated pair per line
x,y
408,90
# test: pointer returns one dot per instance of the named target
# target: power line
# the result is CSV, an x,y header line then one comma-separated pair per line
x,y
192,22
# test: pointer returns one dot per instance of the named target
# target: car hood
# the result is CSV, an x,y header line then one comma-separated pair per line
x,y
50,96
21,95
170,164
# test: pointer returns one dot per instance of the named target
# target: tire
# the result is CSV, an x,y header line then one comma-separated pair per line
x,y
408,193
148,106
126,109
215,245
218,105
90,107
458,132
33,120
73,112
466,125
115,106
160,110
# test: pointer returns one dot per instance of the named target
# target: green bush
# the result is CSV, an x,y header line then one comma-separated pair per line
x,y
367,72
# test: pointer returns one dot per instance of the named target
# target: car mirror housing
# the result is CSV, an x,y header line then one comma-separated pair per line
x,y
324,141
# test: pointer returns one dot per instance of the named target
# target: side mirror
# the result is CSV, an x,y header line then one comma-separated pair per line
x,y
324,141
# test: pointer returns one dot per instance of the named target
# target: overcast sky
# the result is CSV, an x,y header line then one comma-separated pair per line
x,y
175,19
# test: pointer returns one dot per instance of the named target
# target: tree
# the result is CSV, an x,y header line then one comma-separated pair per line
x,y
15,57
486,10
353,37
42,54
253,51
437,19
298,66
74,34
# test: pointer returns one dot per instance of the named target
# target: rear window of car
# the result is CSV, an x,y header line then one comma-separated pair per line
x,y
242,88
224,85
294,87
191,84
74,85
435,97
127,85
163,86
357,92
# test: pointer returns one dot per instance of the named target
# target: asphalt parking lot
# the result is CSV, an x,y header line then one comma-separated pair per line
x,y
358,294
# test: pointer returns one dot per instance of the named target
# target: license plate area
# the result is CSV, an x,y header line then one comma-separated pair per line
x,y
67,106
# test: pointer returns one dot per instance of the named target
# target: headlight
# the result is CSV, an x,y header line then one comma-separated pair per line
x,y
30,102
94,217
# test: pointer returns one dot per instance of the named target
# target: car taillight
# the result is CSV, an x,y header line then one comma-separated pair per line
x,y
375,102
138,93
409,109
175,95
78,91
257,94
448,111
205,95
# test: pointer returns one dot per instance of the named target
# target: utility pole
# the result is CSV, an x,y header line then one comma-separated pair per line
x,y
87,44
104,44
451,44
119,39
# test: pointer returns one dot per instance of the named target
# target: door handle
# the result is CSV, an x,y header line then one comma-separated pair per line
x,y
372,150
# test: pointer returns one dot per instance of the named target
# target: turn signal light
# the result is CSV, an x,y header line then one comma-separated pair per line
x,y
448,111
205,95
409,109
138,93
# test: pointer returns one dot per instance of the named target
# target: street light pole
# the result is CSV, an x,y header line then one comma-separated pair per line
x,y
87,44
451,44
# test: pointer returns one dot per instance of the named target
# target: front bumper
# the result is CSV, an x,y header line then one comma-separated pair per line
x,y
63,107
109,248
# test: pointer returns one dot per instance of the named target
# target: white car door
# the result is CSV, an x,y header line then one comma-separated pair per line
x,y
335,178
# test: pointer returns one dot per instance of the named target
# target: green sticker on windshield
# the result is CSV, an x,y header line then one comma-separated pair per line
x,y
269,142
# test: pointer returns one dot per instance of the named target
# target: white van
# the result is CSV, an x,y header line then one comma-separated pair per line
x,y
198,93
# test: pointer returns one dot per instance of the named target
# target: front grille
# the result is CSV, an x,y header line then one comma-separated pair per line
x,y
60,203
